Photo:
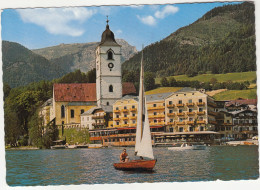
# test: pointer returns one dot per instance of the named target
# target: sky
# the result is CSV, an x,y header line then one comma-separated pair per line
x,y
143,24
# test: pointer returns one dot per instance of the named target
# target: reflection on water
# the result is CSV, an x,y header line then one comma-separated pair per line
x,y
95,166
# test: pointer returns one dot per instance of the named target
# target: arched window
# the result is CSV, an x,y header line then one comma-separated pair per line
x,y
62,111
110,55
110,88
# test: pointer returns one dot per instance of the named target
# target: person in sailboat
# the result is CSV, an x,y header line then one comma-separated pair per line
x,y
124,156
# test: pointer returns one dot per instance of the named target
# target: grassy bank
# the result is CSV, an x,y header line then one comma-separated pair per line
x,y
163,90
234,77
234,94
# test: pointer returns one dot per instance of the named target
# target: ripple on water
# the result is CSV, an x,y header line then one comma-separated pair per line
x,y
95,166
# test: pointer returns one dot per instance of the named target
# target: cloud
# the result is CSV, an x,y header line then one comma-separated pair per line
x,y
118,32
57,20
167,10
136,6
148,20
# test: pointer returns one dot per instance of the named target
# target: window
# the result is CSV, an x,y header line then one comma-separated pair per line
x,y
190,110
133,121
181,129
110,88
200,100
171,120
133,114
170,102
201,128
180,110
180,101
200,109
107,103
133,106
191,128
117,108
125,122
110,55
154,113
62,111
154,105
117,116
72,113
190,100
117,123
190,119
125,115
125,107
170,111
155,121
82,111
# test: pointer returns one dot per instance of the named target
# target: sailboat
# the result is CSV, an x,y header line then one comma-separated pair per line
x,y
143,141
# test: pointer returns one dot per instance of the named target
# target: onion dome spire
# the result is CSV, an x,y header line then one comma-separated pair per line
x,y
108,37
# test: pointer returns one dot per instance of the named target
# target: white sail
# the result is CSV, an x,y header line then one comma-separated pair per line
x,y
143,145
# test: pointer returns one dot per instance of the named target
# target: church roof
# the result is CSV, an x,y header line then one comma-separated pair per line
x,y
108,38
83,92
128,88
76,92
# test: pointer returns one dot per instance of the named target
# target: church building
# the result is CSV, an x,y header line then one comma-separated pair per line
x,y
71,100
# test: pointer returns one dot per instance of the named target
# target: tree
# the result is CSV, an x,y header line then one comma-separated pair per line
x,y
149,81
213,81
164,82
6,89
172,81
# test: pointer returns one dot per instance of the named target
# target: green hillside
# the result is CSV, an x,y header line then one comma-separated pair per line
x,y
235,77
21,66
222,41
235,94
162,90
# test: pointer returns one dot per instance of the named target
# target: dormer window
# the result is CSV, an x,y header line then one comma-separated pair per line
x,y
110,55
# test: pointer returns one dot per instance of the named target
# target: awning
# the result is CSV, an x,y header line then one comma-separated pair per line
x,y
126,128
156,127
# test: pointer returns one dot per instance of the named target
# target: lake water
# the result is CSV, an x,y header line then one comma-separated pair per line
x,y
95,166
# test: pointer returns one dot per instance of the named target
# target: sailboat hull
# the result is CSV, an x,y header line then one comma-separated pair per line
x,y
136,165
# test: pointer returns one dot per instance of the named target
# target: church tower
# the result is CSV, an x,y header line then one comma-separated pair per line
x,y
108,69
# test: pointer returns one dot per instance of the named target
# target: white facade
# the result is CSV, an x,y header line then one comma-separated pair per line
x,y
108,74
86,121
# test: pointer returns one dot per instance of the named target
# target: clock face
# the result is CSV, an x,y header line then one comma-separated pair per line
x,y
110,65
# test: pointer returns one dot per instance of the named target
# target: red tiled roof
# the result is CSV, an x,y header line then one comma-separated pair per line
x,y
83,92
76,92
128,88
242,101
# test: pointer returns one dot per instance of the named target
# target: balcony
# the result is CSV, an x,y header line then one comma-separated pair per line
x,y
98,117
190,104
156,108
125,118
98,124
191,113
133,125
155,124
213,122
180,114
180,122
133,109
201,122
180,105
200,112
133,117
125,110
190,122
171,123
212,104
117,126
125,125
228,124
213,113
200,103
116,111
170,114
116,119
170,106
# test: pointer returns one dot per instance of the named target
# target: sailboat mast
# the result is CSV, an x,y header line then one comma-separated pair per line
x,y
142,94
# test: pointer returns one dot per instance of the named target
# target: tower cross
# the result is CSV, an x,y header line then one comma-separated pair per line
x,y
107,20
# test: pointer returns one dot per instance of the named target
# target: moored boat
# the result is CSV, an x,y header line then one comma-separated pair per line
x,y
185,146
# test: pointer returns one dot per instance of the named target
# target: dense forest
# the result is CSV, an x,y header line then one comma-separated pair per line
x,y
222,41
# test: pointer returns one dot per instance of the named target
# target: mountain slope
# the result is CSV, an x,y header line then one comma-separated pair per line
x,y
21,66
80,55
223,40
